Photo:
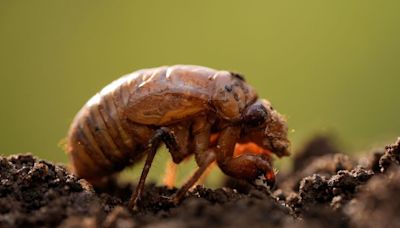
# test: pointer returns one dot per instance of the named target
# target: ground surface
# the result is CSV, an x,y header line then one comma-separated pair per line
x,y
325,188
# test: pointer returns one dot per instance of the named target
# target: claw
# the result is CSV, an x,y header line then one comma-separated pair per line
x,y
261,181
267,181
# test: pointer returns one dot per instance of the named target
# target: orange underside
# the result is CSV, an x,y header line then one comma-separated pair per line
x,y
245,148
249,148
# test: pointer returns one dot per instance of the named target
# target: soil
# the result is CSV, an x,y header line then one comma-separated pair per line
x,y
325,188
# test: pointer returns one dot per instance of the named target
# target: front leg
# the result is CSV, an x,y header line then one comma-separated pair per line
x,y
250,167
178,145
179,150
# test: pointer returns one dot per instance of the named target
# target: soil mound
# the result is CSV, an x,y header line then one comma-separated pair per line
x,y
326,188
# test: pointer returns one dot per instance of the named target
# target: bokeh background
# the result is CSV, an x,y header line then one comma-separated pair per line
x,y
329,66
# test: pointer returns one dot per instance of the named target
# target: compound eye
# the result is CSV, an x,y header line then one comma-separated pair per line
x,y
255,115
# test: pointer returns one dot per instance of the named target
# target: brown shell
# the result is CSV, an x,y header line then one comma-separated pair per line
x,y
108,133
164,95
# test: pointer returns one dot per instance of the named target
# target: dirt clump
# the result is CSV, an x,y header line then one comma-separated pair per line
x,y
378,203
37,193
337,190
391,156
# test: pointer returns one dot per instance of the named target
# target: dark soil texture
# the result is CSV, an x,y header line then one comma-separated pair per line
x,y
325,189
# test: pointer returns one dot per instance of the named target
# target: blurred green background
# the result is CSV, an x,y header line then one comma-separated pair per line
x,y
329,66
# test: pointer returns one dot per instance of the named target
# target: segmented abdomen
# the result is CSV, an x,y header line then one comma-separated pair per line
x,y
99,142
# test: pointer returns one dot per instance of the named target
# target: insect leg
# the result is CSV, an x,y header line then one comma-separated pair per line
x,y
206,173
162,134
201,131
203,155
177,144
178,148
251,167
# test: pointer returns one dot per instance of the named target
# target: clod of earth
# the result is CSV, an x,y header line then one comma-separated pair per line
x,y
333,190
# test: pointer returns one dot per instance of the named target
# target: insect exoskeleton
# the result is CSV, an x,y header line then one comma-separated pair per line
x,y
192,110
